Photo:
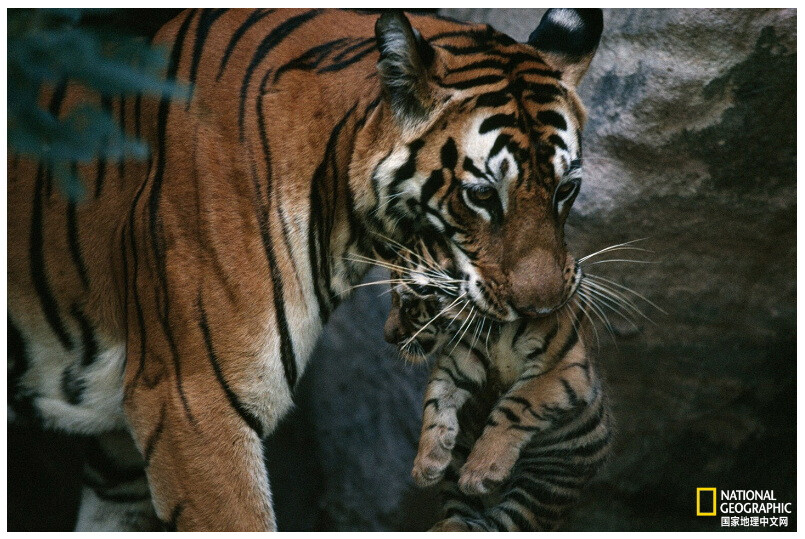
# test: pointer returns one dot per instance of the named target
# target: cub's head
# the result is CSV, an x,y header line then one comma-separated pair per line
x,y
488,156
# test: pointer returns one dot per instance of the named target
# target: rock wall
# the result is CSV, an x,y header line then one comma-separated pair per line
x,y
690,144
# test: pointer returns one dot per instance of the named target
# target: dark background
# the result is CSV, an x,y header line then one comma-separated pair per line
x,y
691,144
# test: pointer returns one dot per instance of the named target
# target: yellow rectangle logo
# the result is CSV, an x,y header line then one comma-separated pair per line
x,y
699,512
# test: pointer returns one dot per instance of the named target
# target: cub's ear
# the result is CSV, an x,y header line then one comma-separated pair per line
x,y
567,40
405,58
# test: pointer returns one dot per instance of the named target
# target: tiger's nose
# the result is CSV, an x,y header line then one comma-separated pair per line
x,y
537,285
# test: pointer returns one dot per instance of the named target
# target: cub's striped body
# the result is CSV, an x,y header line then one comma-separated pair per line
x,y
178,303
514,421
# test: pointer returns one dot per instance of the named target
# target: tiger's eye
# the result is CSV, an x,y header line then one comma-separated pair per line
x,y
484,194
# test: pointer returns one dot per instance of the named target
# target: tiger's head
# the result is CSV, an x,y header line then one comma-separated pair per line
x,y
488,153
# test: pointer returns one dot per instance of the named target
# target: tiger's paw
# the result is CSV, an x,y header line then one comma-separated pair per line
x,y
486,468
452,524
434,455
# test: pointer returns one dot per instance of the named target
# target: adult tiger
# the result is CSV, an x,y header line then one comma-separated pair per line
x,y
180,302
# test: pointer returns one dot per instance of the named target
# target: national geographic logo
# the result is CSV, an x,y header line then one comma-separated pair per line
x,y
706,502
753,508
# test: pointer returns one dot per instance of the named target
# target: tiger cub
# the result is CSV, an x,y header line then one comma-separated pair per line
x,y
514,422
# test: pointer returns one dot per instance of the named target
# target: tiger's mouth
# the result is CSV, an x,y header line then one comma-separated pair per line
x,y
416,350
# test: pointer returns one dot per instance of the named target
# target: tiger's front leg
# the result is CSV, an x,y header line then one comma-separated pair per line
x,y
199,399
454,378
536,402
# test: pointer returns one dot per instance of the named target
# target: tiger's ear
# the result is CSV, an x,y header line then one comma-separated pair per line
x,y
405,58
567,39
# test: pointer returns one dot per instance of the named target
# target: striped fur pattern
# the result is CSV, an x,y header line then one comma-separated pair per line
x,y
515,421
179,302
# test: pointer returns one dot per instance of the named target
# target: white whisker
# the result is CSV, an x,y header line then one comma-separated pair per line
x,y
432,320
626,288
621,260
617,246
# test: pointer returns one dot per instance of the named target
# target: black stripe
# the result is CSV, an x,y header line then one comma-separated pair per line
x,y
72,385
572,397
357,233
57,98
449,154
89,343
539,71
533,354
205,22
433,184
153,438
274,38
477,81
558,141
511,416
472,49
517,519
571,341
501,142
250,21
497,121
408,169
434,402
470,167
135,288
542,93
496,524
39,275
310,59
462,382
154,220
542,493
489,63
320,221
363,42
532,506
349,61
159,174
578,430
75,245
248,417
552,118
519,400
521,327
587,450
100,175
493,99
287,354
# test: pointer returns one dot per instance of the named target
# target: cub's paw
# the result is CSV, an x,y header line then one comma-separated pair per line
x,y
451,524
434,455
486,468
